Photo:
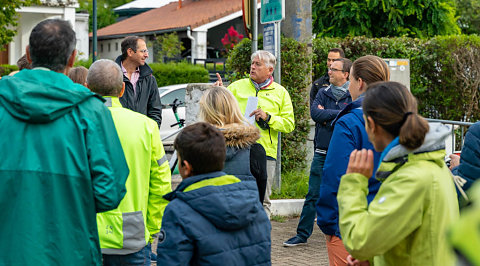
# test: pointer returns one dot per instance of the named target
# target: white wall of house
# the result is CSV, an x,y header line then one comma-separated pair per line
x,y
32,15
109,49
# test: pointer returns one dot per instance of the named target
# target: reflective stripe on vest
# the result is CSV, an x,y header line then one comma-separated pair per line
x,y
162,160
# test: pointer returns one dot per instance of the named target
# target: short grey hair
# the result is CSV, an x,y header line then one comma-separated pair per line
x,y
266,57
105,78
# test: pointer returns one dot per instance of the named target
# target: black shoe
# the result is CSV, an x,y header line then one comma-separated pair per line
x,y
294,241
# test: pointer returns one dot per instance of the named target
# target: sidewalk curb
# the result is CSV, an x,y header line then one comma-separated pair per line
x,y
287,207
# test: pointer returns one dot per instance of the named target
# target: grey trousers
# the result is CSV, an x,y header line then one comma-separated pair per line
x,y
270,172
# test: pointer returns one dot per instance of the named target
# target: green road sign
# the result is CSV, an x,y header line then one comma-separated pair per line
x,y
272,11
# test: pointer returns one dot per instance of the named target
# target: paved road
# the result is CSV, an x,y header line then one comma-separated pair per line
x,y
314,253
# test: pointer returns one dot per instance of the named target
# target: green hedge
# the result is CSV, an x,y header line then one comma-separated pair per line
x,y
165,74
7,69
178,73
169,73
295,69
444,70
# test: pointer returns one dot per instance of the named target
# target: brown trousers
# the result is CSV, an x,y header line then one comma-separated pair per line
x,y
337,254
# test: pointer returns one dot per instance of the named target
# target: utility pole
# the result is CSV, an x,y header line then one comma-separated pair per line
x,y
277,180
298,24
254,29
94,32
273,11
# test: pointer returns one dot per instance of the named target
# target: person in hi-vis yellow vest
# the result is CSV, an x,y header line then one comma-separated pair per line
x,y
125,233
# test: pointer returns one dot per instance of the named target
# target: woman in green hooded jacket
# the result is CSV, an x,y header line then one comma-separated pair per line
x,y
406,222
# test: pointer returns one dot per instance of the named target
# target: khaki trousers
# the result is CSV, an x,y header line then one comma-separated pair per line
x,y
270,173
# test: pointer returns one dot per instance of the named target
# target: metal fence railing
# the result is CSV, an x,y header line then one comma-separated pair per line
x,y
454,143
213,65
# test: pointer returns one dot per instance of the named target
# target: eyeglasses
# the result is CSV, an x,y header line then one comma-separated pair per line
x,y
333,69
145,51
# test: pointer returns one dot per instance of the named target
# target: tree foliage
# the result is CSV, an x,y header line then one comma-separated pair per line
x,y
468,12
9,17
105,14
379,18
444,70
167,45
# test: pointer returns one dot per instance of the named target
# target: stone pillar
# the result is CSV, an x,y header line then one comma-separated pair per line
x,y
193,94
298,20
69,14
200,49
81,30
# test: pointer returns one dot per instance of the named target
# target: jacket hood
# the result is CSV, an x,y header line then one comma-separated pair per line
x,y
432,149
240,135
434,140
41,96
228,207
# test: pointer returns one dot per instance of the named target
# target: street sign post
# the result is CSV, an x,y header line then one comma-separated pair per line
x,y
269,38
272,11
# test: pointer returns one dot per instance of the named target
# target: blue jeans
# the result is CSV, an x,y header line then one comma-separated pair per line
x,y
307,218
141,257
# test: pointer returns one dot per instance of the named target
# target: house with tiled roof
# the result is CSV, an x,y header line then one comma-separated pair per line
x,y
30,16
200,24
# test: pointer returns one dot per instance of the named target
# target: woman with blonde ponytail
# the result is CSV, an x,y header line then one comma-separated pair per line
x,y
406,222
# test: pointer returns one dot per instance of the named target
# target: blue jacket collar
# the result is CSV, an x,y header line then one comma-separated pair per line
x,y
353,105
395,142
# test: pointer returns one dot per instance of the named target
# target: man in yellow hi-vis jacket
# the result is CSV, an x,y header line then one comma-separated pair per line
x,y
126,231
274,111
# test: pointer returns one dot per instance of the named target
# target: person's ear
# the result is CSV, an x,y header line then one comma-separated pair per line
x,y
187,168
122,91
370,123
271,69
362,85
130,51
71,59
27,52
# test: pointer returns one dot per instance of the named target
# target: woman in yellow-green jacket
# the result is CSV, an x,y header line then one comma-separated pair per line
x,y
406,222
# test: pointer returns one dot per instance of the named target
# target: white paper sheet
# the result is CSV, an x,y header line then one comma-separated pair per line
x,y
251,106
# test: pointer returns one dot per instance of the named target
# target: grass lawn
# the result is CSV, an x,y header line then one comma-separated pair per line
x,y
294,185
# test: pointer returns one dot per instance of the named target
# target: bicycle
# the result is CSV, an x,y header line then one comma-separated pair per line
x,y
180,123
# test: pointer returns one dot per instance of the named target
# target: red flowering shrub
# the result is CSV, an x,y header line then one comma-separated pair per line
x,y
231,38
